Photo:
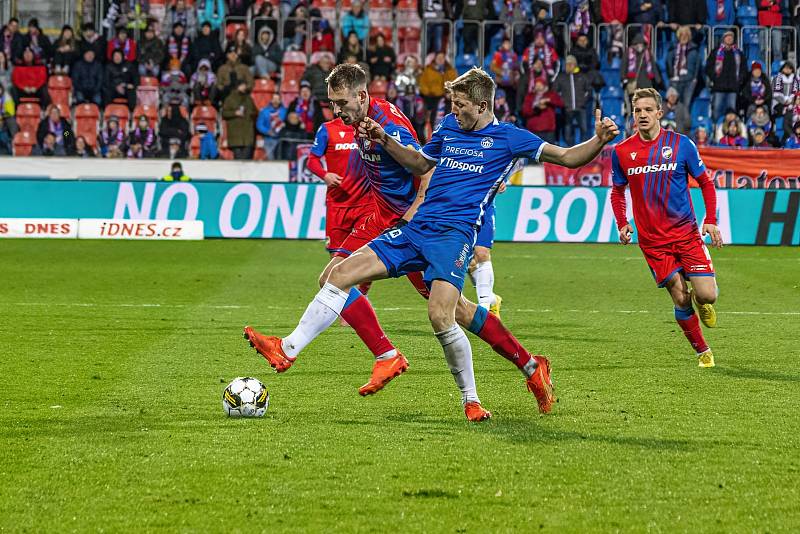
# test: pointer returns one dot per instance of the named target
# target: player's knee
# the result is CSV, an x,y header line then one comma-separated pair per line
x,y
482,254
682,298
705,296
440,318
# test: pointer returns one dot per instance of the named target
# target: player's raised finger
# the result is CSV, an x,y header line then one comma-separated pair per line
x,y
597,115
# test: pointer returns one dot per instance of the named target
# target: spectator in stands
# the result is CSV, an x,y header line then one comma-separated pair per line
x,y
65,51
123,43
530,73
722,126
505,67
434,9
243,48
676,112
37,42
270,122
90,39
473,12
585,54
539,111
238,8
785,85
179,12
645,11
48,147
29,80
232,73
639,70
541,50
431,82
683,64
294,29
82,148
263,16
756,90
173,125
11,40
759,139
135,14
502,110
381,58
726,70
113,13
352,46
8,110
211,11
407,77
121,80
5,70
791,114
208,143
759,118
55,124
174,149
267,53
174,84
323,39
683,13
239,111
581,20
142,142
544,24
112,138
317,73
203,84
793,141
575,90
733,136
6,137
151,53
87,79
178,46
720,12
206,46
356,20
308,108
701,136
292,135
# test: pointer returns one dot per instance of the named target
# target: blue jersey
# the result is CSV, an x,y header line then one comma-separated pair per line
x,y
393,185
471,165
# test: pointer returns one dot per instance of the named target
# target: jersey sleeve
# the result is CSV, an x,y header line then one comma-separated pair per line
x,y
400,133
617,175
433,148
320,141
523,143
694,161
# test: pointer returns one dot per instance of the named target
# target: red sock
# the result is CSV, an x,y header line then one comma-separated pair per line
x,y
360,315
503,341
419,284
364,287
693,332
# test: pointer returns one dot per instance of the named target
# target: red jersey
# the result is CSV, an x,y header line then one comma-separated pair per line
x,y
335,141
658,174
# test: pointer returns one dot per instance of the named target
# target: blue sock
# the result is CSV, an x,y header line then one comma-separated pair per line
x,y
478,320
353,296
683,314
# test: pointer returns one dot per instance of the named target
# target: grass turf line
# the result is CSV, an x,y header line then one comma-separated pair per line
x,y
111,416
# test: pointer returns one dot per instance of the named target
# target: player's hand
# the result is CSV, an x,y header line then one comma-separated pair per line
x,y
369,129
625,234
502,188
605,129
713,231
332,179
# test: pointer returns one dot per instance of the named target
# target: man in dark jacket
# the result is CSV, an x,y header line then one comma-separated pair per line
x,y
59,127
37,42
90,39
682,13
575,90
206,46
726,69
87,79
644,11
151,53
240,112
316,75
121,80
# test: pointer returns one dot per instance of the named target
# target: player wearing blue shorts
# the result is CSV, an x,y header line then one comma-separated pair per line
x,y
472,154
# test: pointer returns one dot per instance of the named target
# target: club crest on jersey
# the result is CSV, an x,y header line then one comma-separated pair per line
x,y
341,134
666,152
633,155
487,142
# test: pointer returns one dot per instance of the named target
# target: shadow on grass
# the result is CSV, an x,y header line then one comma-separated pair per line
x,y
755,374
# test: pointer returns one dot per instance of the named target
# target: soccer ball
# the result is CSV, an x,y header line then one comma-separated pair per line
x,y
245,397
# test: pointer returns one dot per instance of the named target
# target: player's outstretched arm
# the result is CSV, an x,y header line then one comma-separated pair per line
x,y
408,157
577,156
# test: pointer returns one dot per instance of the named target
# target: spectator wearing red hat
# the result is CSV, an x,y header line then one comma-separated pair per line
x,y
756,90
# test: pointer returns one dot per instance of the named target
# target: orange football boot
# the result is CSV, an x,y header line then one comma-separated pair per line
x,y
476,413
383,371
270,348
541,385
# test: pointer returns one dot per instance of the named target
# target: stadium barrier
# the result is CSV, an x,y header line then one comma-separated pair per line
x,y
37,228
297,211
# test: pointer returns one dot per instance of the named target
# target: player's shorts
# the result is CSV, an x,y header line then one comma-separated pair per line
x,y
440,251
486,233
689,255
374,221
340,221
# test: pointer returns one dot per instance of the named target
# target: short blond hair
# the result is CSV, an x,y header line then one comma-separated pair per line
x,y
647,93
475,84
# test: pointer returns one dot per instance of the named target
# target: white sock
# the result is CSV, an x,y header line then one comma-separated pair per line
x,y
319,315
484,283
458,353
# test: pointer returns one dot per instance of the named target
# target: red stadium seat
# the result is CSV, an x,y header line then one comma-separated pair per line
x,y
294,64
151,112
408,38
407,4
28,116
377,89
386,31
87,117
259,154
233,25
121,112
59,87
23,143
289,91
206,115
407,18
263,89
194,146
380,16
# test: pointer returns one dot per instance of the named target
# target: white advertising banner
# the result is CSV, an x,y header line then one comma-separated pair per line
x,y
140,229
39,228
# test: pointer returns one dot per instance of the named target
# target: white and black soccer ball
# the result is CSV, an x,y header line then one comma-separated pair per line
x,y
245,397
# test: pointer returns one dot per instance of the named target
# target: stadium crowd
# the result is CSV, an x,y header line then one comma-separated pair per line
x,y
244,79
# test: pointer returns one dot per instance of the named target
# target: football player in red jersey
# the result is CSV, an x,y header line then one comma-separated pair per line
x,y
656,164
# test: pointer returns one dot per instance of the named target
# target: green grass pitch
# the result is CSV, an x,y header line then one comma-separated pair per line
x,y
115,355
